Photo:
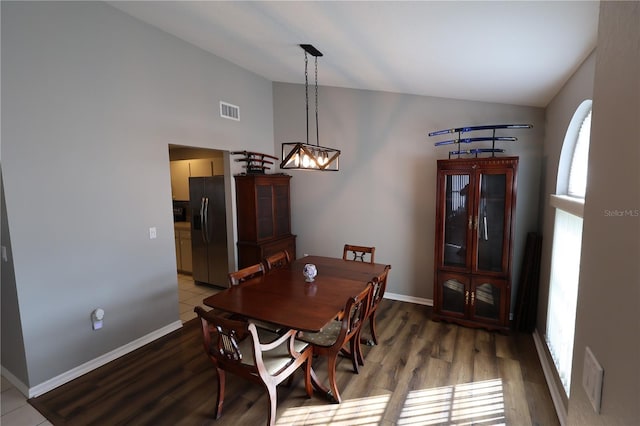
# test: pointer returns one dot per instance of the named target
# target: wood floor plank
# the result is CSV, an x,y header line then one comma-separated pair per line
x,y
421,372
462,363
505,346
516,407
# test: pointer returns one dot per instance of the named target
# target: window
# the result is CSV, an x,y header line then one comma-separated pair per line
x,y
578,169
567,240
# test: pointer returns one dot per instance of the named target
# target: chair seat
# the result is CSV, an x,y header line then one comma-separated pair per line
x,y
325,338
274,360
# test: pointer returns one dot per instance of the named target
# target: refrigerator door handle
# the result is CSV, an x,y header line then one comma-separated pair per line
x,y
206,219
202,231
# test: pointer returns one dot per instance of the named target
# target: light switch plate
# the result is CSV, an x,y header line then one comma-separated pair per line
x,y
153,233
592,377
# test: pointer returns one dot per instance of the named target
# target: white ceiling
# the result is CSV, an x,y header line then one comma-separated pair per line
x,y
514,52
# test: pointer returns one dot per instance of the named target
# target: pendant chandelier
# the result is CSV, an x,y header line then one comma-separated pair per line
x,y
306,156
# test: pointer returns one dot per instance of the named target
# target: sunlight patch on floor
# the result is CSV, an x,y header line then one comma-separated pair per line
x,y
352,412
468,403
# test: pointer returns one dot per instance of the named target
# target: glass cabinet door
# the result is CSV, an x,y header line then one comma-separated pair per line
x,y
489,222
486,299
455,295
456,220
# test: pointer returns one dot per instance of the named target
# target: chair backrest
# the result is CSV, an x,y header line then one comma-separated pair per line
x,y
277,260
355,312
358,253
245,274
221,340
378,288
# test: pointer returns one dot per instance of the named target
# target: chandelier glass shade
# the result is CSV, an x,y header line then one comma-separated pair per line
x,y
303,155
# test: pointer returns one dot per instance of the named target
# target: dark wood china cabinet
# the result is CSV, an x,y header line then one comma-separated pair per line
x,y
475,212
264,217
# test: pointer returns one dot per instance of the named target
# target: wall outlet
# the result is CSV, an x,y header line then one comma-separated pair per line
x,y
96,318
592,377
153,233
4,254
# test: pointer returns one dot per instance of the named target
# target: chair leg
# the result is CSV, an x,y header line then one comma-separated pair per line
x,y
307,377
273,400
372,326
355,358
220,401
358,342
332,360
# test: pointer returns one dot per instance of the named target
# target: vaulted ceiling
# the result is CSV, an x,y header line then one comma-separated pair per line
x,y
514,52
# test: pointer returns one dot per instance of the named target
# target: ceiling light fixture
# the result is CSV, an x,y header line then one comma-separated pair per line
x,y
305,156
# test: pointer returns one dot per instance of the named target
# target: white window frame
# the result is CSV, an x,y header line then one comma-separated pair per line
x,y
563,287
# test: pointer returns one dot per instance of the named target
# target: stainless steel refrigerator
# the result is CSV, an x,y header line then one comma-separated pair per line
x,y
208,230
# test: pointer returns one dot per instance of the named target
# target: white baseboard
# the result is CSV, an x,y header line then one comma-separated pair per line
x,y
410,299
556,395
97,362
24,389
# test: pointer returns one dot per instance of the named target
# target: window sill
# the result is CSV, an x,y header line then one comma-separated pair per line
x,y
572,205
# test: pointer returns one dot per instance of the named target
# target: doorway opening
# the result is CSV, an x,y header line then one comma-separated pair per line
x,y
203,223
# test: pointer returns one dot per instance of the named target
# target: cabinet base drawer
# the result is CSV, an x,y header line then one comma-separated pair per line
x,y
250,253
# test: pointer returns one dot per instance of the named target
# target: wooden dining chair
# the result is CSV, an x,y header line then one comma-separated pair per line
x,y
277,260
339,336
359,253
245,274
378,288
259,356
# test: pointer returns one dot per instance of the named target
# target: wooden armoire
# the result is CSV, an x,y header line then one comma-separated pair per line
x,y
475,218
264,217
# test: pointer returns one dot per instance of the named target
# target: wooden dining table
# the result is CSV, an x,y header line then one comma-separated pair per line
x,y
285,298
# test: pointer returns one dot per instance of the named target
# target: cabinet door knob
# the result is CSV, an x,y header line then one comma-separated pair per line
x,y
466,297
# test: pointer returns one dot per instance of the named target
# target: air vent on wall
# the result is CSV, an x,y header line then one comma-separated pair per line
x,y
227,110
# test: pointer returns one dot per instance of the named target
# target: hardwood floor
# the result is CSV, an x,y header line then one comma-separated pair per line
x,y
421,373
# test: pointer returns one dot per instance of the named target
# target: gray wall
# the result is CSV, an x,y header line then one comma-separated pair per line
x,y
607,314
91,99
558,115
384,193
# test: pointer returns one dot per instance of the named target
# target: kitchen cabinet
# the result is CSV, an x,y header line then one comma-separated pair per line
x,y
184,259
182,170
264,217
475,208
180,179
